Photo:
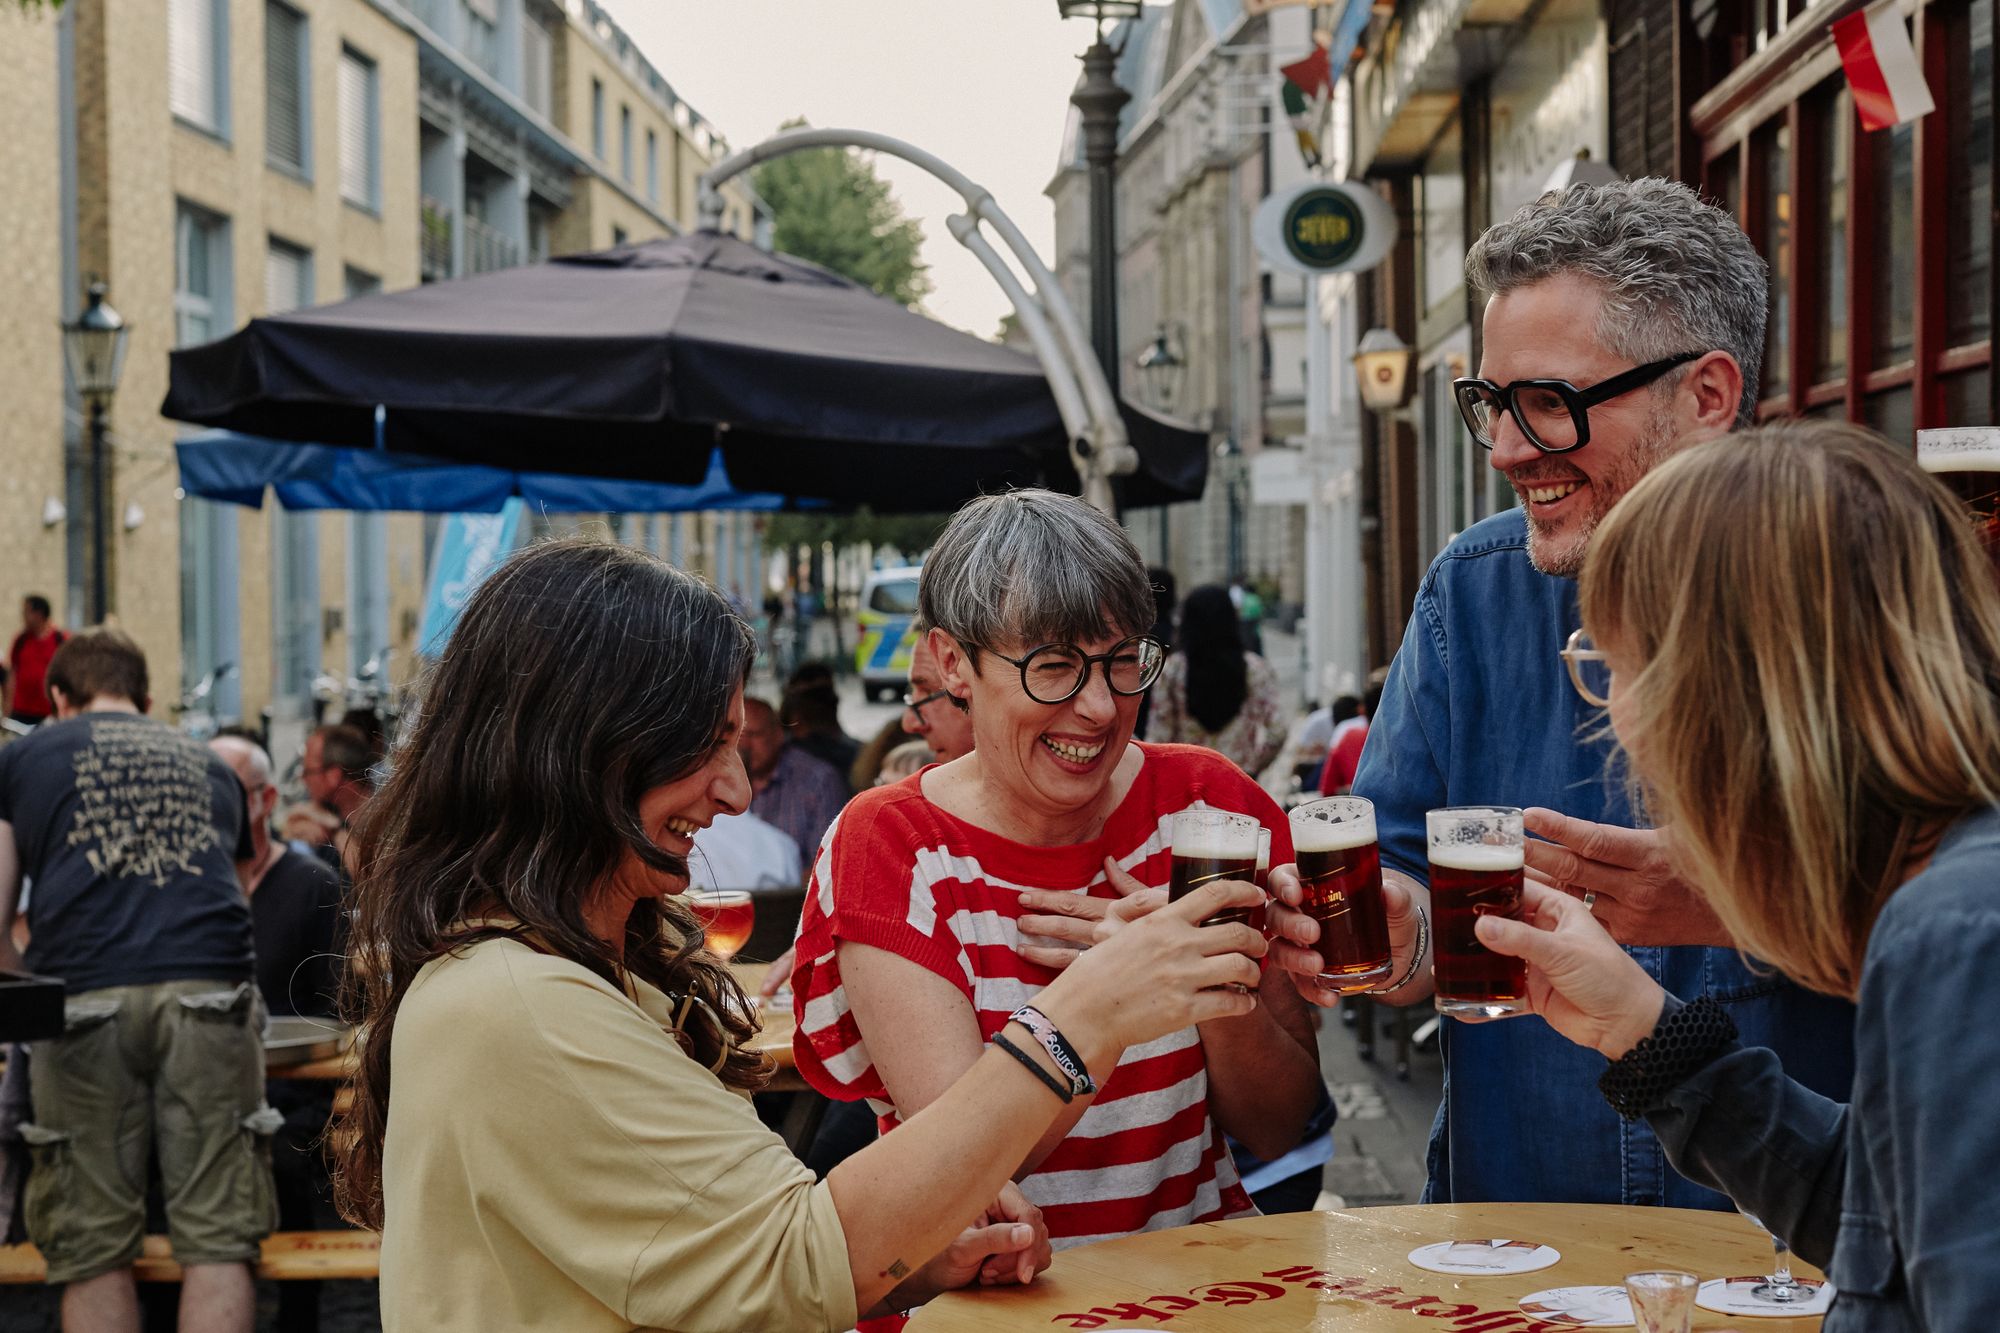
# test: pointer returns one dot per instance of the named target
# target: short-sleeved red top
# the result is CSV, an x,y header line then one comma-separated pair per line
x,y
897,873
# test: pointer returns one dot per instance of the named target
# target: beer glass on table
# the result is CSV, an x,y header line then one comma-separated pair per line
x,y
1340,878
1476,858
726,916
1210,845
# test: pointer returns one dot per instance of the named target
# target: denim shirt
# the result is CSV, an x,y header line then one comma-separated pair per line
x,y
1478,709
1892,1195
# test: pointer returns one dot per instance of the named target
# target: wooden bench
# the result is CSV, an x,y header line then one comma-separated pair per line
x,y
288,1256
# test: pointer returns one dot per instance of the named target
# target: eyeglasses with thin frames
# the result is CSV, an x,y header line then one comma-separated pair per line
x,y
917,706
1056,672
1579,653
1554,415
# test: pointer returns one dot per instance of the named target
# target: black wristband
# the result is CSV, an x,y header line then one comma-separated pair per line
x,y
1684,1041
1056,1085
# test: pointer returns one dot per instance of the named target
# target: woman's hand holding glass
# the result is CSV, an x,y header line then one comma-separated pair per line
x,y
1075,921
1152,968
1579,979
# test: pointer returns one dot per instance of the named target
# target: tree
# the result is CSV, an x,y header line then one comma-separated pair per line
x,y
828,206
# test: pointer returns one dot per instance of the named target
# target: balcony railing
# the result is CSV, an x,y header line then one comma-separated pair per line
x,y
434,241
487,249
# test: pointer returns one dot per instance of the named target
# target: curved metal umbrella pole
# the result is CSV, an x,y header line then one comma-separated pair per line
x,y
1099,449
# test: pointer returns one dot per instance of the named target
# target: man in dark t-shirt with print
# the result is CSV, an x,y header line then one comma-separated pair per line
x,y
129,833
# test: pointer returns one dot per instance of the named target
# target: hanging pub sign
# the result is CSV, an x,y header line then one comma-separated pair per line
x,y
1324,227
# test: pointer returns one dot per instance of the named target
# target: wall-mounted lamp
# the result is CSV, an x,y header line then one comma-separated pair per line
x,y
1382,370
54,511
134,516
1160,368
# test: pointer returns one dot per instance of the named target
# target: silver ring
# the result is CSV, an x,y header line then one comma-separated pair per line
x,y
1590,900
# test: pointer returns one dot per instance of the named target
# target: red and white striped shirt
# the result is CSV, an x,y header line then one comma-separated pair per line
x,y
898,873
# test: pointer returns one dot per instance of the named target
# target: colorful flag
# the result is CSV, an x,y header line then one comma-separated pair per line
x,y
1881,65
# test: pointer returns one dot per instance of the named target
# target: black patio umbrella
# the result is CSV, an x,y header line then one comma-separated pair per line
x,y
637,361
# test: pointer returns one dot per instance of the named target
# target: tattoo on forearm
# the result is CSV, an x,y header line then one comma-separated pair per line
x,y
897,1269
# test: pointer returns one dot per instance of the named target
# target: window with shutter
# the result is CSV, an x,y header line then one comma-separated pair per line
x,y
284,87
537,66
652,168
359,148
193,36
287,277
597,118
625,143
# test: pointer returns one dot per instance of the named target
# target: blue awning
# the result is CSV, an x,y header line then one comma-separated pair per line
x,y
225,465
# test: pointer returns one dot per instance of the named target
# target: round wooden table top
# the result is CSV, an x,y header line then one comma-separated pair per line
x,y
1351,1271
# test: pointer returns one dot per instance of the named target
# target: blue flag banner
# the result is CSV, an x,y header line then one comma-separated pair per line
x,y
469,547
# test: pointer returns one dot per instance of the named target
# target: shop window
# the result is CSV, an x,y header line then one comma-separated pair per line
x,y
1893,414
1725,184
1967,96
1892,196
1833,120
1773,159
1968,397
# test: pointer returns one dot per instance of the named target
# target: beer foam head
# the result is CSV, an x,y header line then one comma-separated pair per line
x,y
1215,835
1482,856
1320,835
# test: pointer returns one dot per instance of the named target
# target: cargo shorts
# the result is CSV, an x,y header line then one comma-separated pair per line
x,y
173,1070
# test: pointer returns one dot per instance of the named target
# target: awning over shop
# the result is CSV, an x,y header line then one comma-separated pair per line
x,y
225,465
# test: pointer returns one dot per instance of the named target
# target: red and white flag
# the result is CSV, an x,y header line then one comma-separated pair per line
x,y
1882,69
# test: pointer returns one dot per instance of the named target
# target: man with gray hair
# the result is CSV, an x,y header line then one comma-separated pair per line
x,y
1623,322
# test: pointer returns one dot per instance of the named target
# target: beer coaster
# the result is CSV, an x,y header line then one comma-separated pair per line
x,y
1580,1307
1482,1258
1732,1295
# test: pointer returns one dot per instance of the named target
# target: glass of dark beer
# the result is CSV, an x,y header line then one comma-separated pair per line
x,y
1476,857
1213,844
1340,874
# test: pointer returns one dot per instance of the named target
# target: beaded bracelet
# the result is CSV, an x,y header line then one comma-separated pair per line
x,y
1684,1040
1056,1085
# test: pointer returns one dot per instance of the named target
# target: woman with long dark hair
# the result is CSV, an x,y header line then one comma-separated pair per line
x,y
1214,694
568,1144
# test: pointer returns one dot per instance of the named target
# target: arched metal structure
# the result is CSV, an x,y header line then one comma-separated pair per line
x,y
1098,445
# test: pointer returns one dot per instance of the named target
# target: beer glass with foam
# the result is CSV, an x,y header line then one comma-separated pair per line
x,y
1213,844
1340,876
1476,858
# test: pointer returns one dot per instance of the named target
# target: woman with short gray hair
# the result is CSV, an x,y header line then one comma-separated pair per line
x,y
940,906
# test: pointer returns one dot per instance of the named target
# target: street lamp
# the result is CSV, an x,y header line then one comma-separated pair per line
x,y
1160,367
1099,99
94,351
1382,366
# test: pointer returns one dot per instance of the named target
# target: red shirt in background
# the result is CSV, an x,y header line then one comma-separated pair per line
x,y
29,658
1343,758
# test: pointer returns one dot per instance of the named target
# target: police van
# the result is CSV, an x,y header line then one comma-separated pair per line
x,y
888,609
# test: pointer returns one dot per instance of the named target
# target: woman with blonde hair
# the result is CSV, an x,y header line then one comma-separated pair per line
x,y
1803,648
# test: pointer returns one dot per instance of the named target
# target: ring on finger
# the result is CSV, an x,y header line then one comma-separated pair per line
x,y
1590,900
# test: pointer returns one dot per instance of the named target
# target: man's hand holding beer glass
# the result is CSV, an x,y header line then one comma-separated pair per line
x,y
1295,937
1633,890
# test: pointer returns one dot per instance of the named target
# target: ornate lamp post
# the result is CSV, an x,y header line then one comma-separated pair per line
x,y
94,350
1099,99
1382,367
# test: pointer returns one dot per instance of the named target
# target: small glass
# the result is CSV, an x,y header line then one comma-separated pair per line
x,y
1340,880
1662,1302
1476,856
1780,1287
726,917
1211,845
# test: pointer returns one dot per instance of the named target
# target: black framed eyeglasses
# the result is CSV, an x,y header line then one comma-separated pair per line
x,y
917,706
1554,415
1055,672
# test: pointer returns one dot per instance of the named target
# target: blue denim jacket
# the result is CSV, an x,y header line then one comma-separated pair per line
x,y
1479,710
1893,1194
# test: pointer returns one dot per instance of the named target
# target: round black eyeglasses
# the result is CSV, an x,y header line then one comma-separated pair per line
x,y
1055,672
1554,415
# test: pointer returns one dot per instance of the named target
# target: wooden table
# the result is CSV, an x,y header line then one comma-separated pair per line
x,y
1350,1271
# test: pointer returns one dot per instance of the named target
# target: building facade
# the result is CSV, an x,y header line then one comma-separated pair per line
x,y
1200,146
215,160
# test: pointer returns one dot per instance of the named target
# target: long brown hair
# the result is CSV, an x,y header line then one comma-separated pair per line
x,y
1817,694
580,676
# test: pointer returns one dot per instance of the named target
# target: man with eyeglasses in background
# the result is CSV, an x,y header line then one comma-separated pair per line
x,y
930,711
1623,322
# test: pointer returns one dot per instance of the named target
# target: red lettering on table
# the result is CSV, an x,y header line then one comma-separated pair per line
x,y
1236,1293
1449,1312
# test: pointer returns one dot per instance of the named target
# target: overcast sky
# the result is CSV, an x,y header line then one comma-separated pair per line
x,y
985,86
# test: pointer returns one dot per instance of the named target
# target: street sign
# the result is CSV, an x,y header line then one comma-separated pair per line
x,y
1324,228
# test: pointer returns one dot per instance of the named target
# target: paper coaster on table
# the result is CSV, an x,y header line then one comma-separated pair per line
x,y
1732,1295
1484,1258
1580,1307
